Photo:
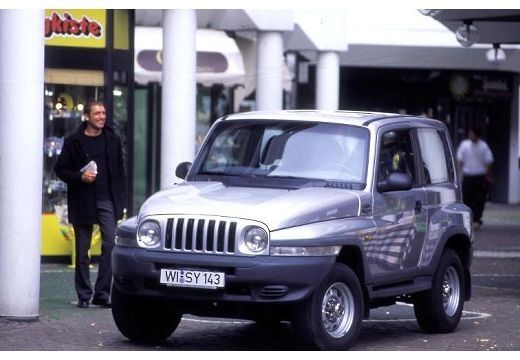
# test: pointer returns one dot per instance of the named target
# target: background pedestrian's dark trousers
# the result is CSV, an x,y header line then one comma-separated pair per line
x,y
83,234
474,193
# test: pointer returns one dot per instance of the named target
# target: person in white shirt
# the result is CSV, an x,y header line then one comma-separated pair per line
x,y
475,159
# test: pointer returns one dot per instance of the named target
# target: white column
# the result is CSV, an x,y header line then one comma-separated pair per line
x,y
269,60
327,80
179,90
21,161
514,151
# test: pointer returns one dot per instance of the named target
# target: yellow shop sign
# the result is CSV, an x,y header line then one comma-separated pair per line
x,y
75,27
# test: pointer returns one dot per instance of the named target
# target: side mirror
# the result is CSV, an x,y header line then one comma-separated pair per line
x,y
182,169
397,181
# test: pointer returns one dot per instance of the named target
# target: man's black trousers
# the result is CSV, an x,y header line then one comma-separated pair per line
x,y
83,233
474,193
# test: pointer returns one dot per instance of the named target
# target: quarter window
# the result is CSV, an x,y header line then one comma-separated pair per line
x,y
434,156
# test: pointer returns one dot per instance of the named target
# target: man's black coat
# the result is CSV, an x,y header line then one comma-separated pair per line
x,y
81,197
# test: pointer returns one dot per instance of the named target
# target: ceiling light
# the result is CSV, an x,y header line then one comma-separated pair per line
x,y
430,12
496,54
467,34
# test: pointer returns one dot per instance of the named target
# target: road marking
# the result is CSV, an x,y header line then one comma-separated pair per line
x,y
472,315
226,322
495,275
50,271
497,254
466,315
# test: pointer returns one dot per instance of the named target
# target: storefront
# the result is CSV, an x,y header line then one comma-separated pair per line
x,y
220,71
88,56
460,98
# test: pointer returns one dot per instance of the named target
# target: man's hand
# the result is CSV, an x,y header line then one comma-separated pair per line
x,y
88,176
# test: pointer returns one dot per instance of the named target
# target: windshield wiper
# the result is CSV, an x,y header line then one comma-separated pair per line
x,y
217,173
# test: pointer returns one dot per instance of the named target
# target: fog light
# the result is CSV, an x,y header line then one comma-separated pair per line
x,y
125,241
304,250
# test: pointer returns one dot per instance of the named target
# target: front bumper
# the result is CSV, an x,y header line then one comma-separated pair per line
x,y
260,279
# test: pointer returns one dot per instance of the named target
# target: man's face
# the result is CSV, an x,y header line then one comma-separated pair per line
x,y
97,116
472,136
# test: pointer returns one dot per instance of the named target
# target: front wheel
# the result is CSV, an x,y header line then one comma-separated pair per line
x,y
439,309
144,320
331,318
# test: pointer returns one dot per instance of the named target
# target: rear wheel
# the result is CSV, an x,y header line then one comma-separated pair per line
x,y
439,309
146,320
331,318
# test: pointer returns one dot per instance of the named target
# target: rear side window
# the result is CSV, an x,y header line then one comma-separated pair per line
x,y
434,152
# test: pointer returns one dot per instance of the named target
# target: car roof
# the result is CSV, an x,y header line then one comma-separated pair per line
x,y
357,118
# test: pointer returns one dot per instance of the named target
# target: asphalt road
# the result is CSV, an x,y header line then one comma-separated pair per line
x,y
490,320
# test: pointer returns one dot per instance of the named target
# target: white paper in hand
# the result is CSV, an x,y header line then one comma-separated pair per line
x,y
91,167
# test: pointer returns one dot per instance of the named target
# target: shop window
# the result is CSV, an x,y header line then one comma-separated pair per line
x,y
120,117
63,113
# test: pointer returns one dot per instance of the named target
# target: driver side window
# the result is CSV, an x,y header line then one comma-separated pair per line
x,y
395,155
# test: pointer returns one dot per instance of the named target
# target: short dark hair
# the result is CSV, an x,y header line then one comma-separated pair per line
x,y
89,104
476,130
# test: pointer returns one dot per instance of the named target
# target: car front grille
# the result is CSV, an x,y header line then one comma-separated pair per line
x,y
200,235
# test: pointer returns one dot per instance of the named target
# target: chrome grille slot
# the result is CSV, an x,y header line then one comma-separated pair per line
x,y
199,238
221,236
188,242
200,235
168,237
177,231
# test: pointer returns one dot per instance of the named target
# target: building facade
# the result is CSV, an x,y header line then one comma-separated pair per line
x,y
88,56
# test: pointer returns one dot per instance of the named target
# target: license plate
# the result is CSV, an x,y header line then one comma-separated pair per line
x,y
192,278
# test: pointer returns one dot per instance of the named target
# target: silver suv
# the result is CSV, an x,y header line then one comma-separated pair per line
x,y
311,217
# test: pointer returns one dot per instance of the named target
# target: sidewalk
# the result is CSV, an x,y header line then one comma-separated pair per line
x,y
501,214
500,230
63,326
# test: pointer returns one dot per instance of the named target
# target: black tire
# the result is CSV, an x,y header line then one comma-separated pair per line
x,y
439,309
330,319
144,320
267,322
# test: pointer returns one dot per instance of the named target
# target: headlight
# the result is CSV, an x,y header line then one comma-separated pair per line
x,y
149,234
256,239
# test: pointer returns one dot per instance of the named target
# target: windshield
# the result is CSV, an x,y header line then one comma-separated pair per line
x,y
286,150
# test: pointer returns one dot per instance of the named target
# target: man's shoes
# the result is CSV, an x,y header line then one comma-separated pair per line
x,y
477,225
106,304
83,304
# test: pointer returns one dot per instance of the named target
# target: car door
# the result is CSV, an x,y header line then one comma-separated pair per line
x,y
440,186
400,217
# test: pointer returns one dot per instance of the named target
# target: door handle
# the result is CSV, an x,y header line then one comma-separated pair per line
x,y
366,209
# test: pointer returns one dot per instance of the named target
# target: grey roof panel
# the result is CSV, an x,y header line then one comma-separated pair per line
x,y
358,118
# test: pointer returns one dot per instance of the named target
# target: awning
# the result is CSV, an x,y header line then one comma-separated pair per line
x,y
219,60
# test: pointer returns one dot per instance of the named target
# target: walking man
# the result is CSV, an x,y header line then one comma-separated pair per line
x,y
475,159
91,164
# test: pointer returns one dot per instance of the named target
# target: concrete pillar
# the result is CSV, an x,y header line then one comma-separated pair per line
x,y
21,161
269,60
179,88
327,80
514,149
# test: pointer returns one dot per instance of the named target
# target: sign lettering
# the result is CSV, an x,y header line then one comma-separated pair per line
x,y
67,25
75,27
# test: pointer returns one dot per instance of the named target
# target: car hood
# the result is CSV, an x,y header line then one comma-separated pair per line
x,y
276,208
